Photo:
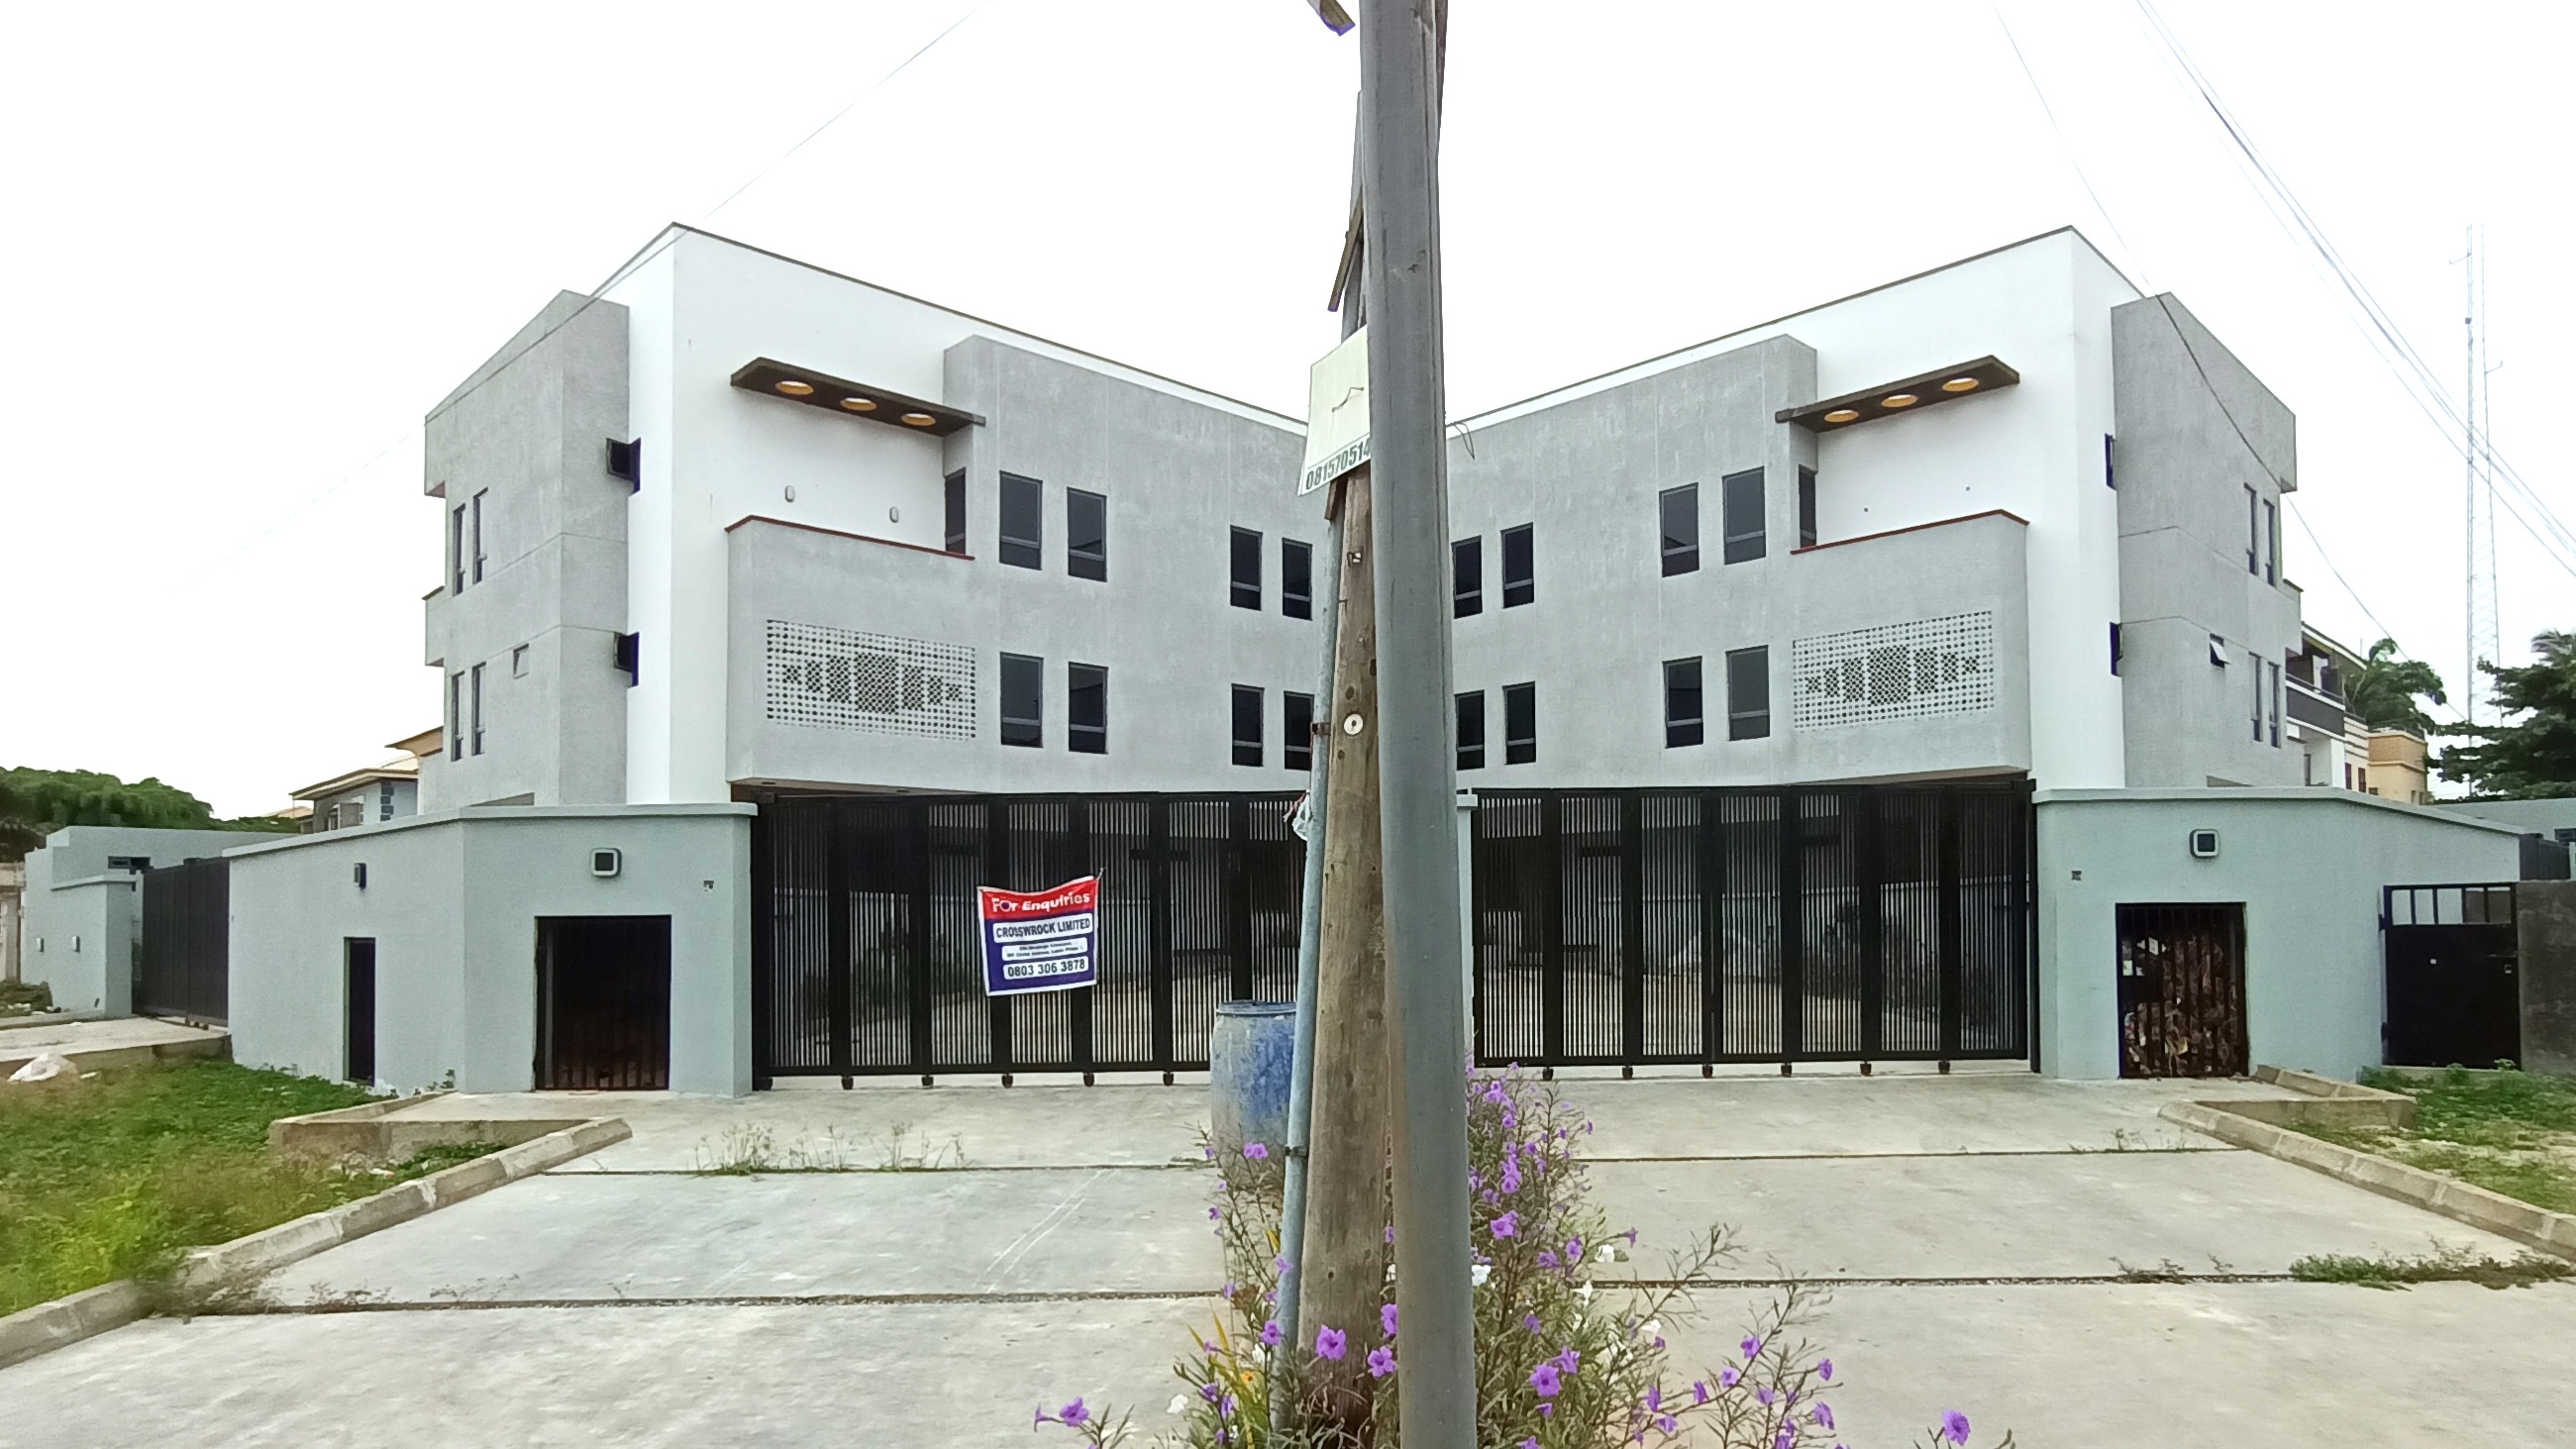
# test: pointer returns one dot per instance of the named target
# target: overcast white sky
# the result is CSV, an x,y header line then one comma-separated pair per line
x,y
248,246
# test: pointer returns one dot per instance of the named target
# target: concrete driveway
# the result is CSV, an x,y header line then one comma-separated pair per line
x,y
1985,1235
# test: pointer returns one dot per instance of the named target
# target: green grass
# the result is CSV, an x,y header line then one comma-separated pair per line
x,y
19,998
2511,1132
2453,1265
117,1175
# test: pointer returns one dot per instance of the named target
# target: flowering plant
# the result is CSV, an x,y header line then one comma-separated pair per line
x,y
1566,1358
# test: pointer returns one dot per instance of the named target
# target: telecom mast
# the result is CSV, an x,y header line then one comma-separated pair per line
x,y
2484,645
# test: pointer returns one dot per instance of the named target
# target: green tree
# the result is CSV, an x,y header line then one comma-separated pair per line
x,y
2383,692
35,803
18,832
2533,756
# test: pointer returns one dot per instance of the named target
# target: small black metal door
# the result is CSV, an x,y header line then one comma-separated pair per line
x,y
603,1003
2453,993
182,965
360,952
2182,990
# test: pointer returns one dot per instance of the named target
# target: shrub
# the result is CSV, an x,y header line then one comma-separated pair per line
x,y
1565,1359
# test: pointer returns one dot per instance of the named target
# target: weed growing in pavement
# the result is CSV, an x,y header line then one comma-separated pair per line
x,y
2443,1265
1567,1356
750,1149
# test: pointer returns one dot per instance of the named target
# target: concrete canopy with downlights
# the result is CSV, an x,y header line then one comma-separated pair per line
x,y
850,399
1910,394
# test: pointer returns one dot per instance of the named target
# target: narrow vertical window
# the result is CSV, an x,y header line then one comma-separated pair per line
x,y
475,693
456,549
1681,703
456,716
1742,516
1086,535
1243,568
1520,723
1296,730
2253,531
519,662
1748,694
2273,668
1023,537
1296,579
1086,709
1806,508
1466,577
2271,542
1678,511
1520,581
2254,662
1247,725
478,533
952,498
2115,647
2109,478
1023,699
1471,730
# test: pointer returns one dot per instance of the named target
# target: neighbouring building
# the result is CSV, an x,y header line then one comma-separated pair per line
x,y
779,610
381,792
13,886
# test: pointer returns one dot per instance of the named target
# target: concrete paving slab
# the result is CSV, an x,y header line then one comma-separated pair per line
x,y
920,1376
568,1236
2072,1215
84,1041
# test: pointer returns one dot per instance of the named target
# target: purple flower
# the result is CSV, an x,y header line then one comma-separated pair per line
x,y
1654,1398
1390,1235
1954,1426
1574,1250
1510,1181
1547,1380
1214,1213
1530,1443
1764,1396
1668,1424
1208,1152
1825,1370
1330,1342
1787,1439
1270,1334
1494,1092
1631,1236
1386,1318
1381,1362
1547,1257
1752,1349
1225,1408
1530,1322
1699,1391
1507,1225
1726,1378
1568,1359
1230,1288
1254,1152
1824,1417
1282,1265
1210,1392
1074,1414
1546,1409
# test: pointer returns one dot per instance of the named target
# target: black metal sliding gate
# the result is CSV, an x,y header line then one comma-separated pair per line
x,y
1612,927
183,963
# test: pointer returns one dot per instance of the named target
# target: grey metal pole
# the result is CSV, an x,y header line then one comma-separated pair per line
x,y
1399,48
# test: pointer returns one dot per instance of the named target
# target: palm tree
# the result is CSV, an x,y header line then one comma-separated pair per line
x,y
2384,691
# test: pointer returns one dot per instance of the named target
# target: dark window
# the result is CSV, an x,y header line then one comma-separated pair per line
x,y
1023,536
629,656
1023,700
1466,577
2110,479
1520,723
456,549
1806,508
2271,542
475,690
2253,531
2255,661
2115,648
1520,584
1247,725
456,716
1296,579
478,533
1471,730
1748,694
1681,703
953,501
1086,709
1244,569
1743,516
134,863
626,460
1086,535
1679,511
1296,730
2273,668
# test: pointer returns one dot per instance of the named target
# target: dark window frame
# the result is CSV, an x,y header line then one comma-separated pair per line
x,y
479,555
2271,542
1242,558
1520,707
1748,719
1470,708
1296,578
1080,562
1524,588
1738,543
474,697
1248,704
1680,555
1020,551
952,490
2110,475
1467,576
456,715
1086,736
1296,730
456,549
2115,647
1685,704
2253,530
1806,506
1031,726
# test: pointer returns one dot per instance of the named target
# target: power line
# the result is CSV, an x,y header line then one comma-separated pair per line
x,y
669,239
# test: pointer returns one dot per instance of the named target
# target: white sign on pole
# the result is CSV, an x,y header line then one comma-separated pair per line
x,y
1337,414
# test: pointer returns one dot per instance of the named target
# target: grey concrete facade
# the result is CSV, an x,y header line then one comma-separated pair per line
x,y
84,912
2545,916
2307,865
2204,453
535,590
452,902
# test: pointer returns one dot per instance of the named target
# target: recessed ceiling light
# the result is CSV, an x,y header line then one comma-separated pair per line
x,y
793,388
1960,384
919,420
860,404
1898,400
1842,415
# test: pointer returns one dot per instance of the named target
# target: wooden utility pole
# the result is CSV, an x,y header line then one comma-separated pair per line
x,y
1344,1272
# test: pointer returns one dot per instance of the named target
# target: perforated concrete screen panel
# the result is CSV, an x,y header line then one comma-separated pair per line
x,y
881,683
1895,671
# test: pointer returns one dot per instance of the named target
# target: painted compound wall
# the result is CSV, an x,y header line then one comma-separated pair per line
x,y
82,920
2308,865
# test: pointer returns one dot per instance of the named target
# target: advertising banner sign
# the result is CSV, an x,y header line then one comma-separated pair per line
x,y
1040,940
